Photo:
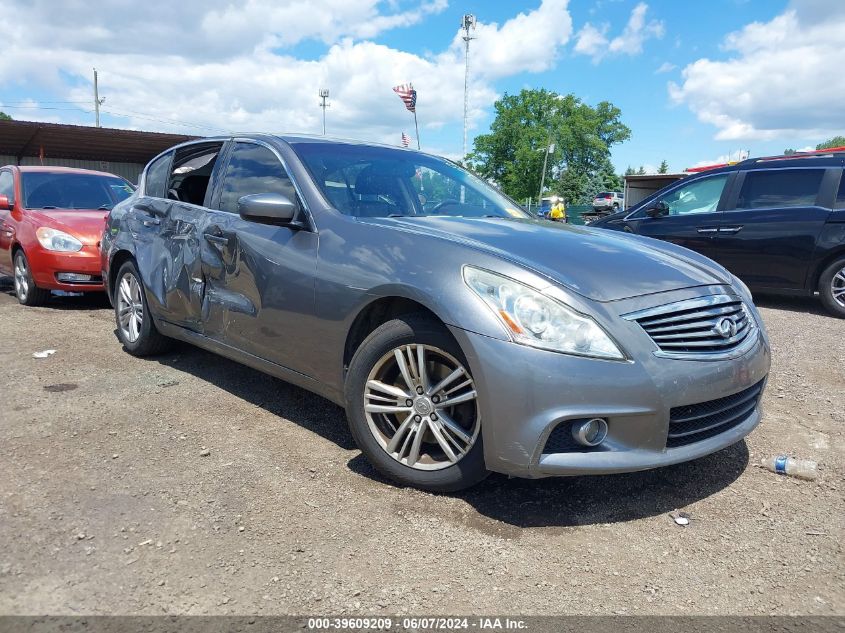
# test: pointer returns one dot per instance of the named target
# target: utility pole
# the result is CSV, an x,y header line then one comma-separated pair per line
x,y
467,24
548,149
324,94
97,101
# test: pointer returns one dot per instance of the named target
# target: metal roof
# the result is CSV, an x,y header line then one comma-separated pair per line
x,y
54,140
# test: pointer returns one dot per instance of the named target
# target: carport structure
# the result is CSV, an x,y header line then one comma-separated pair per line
x,y
638,187
121,152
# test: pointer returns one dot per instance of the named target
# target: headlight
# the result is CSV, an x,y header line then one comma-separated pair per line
x,y
55,240
532,318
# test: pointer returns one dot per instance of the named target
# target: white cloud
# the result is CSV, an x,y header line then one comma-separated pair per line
x,y
593,41
665,67
226,68
783,80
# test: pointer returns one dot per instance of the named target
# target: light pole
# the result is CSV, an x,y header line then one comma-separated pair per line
x,y
97,101
467,24
549,148
324,94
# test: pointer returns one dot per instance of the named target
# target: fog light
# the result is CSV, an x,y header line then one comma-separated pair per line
x,y
590,432
71,277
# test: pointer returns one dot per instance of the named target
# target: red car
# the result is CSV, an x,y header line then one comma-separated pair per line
x,y
51,222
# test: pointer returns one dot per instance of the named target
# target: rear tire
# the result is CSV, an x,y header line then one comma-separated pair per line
x,y
135,327
832,288
26,291
429,444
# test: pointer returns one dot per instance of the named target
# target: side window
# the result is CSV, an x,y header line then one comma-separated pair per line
x,y
780,188
698,196
191,172
7,185
840,197
157,173
253,169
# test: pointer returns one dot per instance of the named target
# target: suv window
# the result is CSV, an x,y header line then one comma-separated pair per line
x,y
157,173
698,196
7,185
780,188
840,197
253,169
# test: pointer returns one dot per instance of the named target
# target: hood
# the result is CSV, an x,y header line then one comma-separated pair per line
x,y
84,224
598,264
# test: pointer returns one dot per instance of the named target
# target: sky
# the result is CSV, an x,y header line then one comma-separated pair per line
x,y
697,82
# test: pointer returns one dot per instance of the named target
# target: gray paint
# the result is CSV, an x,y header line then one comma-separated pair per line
x,y
283,301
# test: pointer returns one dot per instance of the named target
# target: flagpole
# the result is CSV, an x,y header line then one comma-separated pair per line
x,y
417,128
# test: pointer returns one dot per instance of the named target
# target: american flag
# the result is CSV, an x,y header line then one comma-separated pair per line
x,y
406,140
408,95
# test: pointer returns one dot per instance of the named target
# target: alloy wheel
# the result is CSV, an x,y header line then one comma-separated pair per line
x,y
21,277
422,407
837,287
130,307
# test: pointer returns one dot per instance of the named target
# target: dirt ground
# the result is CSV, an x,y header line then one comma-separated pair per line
x,y
108,504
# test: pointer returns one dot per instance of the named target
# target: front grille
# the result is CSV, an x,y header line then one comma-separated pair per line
x,y
695,422
712,325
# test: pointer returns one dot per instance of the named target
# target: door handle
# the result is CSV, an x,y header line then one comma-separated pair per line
x,y
730,229
217,239
707,230
151,222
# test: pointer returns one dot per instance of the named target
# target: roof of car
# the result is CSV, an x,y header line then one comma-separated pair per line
x,y
816,158
61,170
294,139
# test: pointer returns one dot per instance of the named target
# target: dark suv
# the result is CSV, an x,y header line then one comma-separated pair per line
x,y
778,223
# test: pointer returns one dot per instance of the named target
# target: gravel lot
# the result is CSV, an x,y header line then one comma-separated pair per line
x,y
109,505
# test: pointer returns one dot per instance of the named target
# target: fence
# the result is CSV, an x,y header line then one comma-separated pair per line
x,y
573,212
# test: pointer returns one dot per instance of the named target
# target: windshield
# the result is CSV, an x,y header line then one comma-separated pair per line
x,y
379,182
53,190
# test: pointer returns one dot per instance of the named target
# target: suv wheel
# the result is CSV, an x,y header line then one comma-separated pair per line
x,y
413,408
615,207
832,288
135,327
25,289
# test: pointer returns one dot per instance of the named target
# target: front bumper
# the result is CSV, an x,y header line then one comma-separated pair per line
x,y
525,393
46,265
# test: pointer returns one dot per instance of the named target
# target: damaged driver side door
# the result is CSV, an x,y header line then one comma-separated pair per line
x,y
260,275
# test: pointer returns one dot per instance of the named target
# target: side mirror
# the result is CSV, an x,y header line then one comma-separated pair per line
x,y
659,210
5,205
267,208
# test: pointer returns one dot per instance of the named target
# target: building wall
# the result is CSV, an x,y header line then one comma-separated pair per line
x,y
129,171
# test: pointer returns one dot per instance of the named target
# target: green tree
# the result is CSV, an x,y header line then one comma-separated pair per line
x,y
641,171
4,116
836,141
789,151
664,167
630,171
528,123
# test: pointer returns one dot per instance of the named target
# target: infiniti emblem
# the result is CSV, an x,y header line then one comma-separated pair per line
x,y
726,328
423,406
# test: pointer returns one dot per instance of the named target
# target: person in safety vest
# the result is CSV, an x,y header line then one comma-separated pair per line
x,y
558,211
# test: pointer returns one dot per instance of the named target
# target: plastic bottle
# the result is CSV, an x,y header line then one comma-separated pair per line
x,y
783,465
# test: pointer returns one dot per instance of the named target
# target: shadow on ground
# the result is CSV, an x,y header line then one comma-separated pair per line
x,y
86,301
302,407
573,501
793,304
519,502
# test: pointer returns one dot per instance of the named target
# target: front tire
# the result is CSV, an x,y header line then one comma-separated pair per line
x,y
413,408
832,288
26,291
135,327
